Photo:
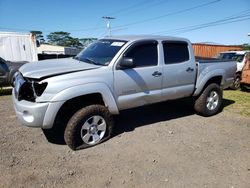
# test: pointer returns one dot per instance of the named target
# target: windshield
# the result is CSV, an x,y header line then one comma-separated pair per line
x,y
238,57
100,52
226,56
232,56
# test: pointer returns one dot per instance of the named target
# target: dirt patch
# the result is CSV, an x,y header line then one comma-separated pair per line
x,y
163,145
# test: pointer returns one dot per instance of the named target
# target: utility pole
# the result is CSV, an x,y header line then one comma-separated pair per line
x,y
108,19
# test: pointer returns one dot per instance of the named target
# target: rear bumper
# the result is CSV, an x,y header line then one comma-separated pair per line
x,y
228,83
32,114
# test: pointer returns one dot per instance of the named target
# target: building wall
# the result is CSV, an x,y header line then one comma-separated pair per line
x,y
72,51
53,49
207,50
50,49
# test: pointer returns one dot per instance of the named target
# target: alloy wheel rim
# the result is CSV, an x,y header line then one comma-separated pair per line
x,y
237,83
212,100
93,130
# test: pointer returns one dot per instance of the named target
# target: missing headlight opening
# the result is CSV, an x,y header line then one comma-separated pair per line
x,y
29,89
39,88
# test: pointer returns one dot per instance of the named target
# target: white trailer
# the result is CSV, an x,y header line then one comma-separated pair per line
x,y
18,46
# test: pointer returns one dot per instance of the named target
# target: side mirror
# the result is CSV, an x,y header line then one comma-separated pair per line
x,y
127,63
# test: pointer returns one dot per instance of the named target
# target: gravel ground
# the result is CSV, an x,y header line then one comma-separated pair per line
x,y
163,145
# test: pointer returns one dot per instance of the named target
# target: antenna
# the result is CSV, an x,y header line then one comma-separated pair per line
x,y
108,18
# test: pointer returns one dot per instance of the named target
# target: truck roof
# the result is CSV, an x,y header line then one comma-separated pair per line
x,y
143,37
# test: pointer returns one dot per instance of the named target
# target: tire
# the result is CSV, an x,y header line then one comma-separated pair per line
x,y
236,84
210,100
244,87
88,127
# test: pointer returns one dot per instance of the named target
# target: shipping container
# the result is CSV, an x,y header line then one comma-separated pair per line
x,y
210,51
18,46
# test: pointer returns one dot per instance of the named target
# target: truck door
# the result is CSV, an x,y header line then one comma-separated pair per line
x,y
142,84
179,70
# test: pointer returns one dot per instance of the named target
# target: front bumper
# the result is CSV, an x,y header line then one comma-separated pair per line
x,y
34,114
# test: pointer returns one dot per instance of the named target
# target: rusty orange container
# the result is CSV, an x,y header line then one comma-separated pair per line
x,y
245,79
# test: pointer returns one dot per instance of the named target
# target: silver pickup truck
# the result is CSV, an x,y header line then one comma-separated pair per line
x,y
80,95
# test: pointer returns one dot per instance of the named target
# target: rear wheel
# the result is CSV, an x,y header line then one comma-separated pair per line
x,y
236,84
209,102
89,126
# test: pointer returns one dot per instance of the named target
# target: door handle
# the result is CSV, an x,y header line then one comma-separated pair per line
x,y
157,74
189,69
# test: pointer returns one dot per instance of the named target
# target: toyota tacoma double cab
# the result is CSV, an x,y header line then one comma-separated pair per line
x,y
81,95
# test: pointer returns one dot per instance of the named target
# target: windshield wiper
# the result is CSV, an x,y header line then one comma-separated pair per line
x,y
92,61
76,57
88,60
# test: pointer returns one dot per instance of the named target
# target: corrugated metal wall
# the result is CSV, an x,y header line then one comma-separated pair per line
x,y
17,46
207,50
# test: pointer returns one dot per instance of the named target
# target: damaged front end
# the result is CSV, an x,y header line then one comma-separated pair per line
x,y
27,88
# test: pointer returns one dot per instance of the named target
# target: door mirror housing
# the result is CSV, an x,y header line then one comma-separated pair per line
x,y
127,63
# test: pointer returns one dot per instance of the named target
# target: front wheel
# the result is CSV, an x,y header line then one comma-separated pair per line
x,y
89,126
209,102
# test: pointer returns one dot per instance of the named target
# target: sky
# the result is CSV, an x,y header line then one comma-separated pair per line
x,y
211,21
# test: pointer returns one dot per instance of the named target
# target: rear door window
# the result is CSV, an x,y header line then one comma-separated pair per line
x,y
175,52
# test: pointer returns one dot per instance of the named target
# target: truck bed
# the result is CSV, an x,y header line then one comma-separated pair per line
x,y
206,67
210,60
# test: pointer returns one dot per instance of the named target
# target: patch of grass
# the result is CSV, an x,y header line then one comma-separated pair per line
x,y
5,91
241,103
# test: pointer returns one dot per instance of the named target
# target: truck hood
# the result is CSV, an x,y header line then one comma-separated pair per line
x,y
53,67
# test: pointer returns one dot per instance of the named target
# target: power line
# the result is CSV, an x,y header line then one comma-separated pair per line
x,y
233,21
38,29
19,29
230,19
121,11
128,24
203,25
141,7
169,14
95,33
129,7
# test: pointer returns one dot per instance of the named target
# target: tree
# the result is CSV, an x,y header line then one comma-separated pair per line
x,y
58,38
245,46
75,42
86,41
62,38
39,36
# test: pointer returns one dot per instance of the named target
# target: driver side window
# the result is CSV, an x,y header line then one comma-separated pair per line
x,y
144,54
